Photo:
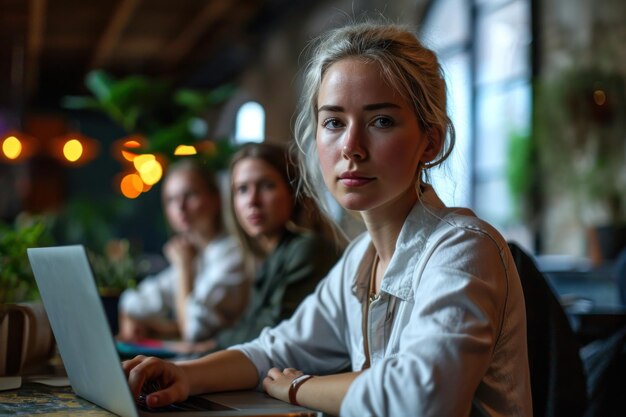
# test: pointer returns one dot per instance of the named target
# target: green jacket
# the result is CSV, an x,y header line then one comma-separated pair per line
x,y
287,276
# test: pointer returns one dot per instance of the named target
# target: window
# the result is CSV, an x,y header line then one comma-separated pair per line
x,y
484,49
250,123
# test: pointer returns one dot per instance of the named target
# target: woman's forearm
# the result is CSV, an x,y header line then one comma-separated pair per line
x,y
185,283
226,370
326,393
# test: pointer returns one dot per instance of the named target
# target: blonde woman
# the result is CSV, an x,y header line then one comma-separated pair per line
x,y
205,288
425,308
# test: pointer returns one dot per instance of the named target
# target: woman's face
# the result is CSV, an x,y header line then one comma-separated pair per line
x,y
262,200
368,138
189,206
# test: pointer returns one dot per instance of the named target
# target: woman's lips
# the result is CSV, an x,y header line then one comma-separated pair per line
x,y
353,179
255,219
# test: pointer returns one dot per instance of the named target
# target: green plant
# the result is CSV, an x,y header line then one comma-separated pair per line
x,y
16,278
114,269
167,117
519,174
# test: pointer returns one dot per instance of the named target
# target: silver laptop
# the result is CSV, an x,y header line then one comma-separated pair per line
x,y
86,345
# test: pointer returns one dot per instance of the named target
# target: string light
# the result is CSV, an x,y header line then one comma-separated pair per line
x,y
16,147
12,147
73,150
131,186
182,150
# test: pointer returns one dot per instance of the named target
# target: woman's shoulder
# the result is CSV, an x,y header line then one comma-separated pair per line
x,y
463,222
224,245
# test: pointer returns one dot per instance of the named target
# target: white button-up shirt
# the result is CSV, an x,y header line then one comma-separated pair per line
x,y
448,328
219,296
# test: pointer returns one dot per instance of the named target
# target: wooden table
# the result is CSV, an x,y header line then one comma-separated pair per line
x,y
43,400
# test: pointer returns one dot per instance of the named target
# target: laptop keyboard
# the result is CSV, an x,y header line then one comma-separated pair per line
x,y
190,404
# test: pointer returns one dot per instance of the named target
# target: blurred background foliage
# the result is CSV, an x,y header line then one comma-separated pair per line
x,y
581,140
166,116
16,278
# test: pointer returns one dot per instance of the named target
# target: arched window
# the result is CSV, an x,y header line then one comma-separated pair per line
x,y
250,123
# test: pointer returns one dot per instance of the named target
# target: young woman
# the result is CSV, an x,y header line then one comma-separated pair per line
x,y
426,307
288,243
205,287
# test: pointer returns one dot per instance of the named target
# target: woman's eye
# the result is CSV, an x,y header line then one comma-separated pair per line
x,y
383,122
266,185
331,123
241,189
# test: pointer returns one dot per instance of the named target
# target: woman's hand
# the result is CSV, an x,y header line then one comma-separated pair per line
x,y
180,251
277,383
173,381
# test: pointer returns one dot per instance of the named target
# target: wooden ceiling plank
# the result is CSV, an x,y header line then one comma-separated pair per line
x,y
113,32
180,46
36,26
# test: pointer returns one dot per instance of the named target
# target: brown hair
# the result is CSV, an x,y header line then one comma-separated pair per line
x,y
306,215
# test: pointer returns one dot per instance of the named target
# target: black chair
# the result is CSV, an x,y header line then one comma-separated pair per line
x,y
605,362
557,375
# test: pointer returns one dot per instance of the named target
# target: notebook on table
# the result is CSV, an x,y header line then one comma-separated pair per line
x,y
87,347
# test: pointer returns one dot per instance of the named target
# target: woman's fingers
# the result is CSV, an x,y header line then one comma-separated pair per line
x,y
292,373
131,363
274,373
144,369
165,396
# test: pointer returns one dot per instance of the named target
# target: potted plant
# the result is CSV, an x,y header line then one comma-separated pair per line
x,y
17,283
581,145
114,270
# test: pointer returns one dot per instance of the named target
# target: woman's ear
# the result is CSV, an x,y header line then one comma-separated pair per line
x,y
435,142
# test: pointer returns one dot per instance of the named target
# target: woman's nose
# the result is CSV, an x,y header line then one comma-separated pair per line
x,y
253,196
353,148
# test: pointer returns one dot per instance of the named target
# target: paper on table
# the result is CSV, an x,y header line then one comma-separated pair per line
x,y
53,381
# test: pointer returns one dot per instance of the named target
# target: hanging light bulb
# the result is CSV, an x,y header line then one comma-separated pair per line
x,y
16,147
127,148
74,148
131,186
149,168
183,150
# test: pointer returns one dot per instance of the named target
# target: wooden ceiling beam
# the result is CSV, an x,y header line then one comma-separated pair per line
x,y
34,43
178,48
111,35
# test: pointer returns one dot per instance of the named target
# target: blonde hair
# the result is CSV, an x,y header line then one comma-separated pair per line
x,y
408,66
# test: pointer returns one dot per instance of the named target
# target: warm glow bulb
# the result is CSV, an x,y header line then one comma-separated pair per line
x,y
12,147
131,186
151,172
73,150
140,160
129,156
132,144
185,150
599,97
